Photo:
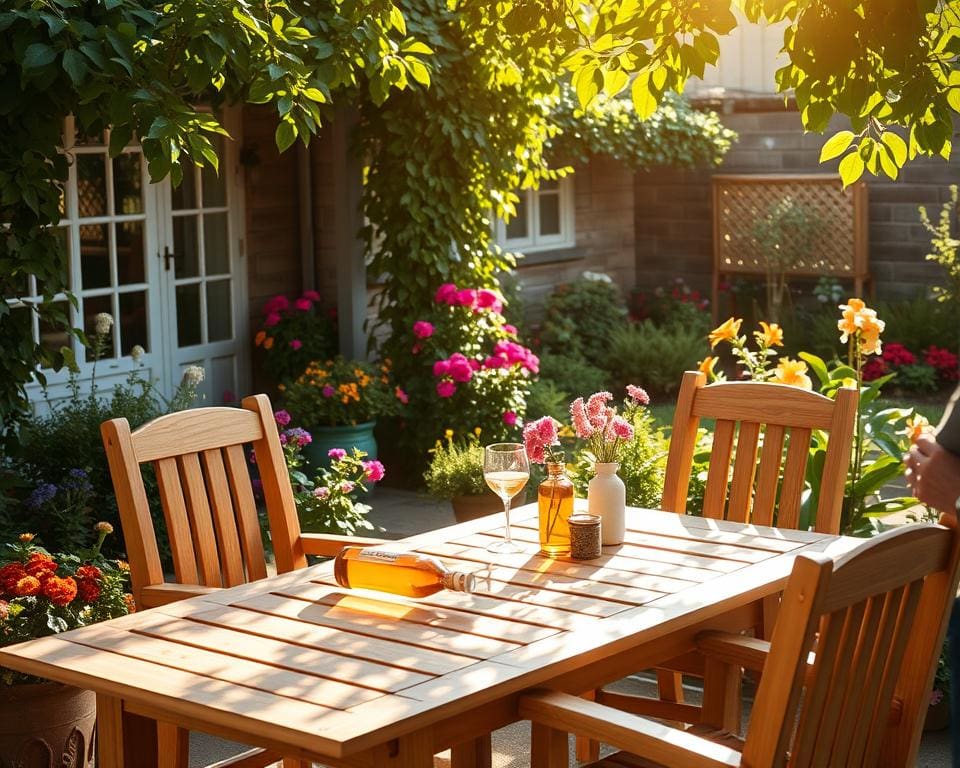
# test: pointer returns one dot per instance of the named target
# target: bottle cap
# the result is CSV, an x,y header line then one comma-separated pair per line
x,y
458,581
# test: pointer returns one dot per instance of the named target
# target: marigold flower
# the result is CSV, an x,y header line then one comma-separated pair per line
x,y
103,527
39,564
771,335
90,572
60,592
10,574
792,373
88,590
259,338
26,538
130,603
27,586
726,332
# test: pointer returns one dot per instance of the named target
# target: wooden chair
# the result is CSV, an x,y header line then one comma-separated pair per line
x,y
200,461
760,418
845,680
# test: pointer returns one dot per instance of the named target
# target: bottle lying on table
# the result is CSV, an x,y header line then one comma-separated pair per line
x,y
403,573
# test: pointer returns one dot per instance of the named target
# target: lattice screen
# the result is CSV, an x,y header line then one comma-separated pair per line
x,y
739,201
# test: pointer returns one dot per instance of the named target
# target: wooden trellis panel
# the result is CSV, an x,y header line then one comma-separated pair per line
x,y
740,200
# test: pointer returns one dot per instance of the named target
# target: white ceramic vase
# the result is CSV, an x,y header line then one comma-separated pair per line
x,y
607,497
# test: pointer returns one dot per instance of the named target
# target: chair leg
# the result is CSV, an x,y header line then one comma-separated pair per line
x,y
670,685
587,750
173,746
548,747
722,695
295,762
476,753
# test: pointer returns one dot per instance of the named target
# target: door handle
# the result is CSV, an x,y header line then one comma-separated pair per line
x,y
167,257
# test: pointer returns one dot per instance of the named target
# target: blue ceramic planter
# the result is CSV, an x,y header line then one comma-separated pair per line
x,y
347,437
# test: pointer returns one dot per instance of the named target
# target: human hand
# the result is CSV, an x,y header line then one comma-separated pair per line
x,y
933,473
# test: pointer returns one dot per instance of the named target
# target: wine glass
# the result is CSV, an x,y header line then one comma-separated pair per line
x,y
506,470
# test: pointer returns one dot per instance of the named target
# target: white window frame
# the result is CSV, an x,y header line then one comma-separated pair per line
x,y
534,241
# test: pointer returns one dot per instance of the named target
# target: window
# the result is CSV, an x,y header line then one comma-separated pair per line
x,y
544,219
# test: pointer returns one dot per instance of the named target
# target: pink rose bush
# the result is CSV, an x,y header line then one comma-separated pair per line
x,y
293,333
474,371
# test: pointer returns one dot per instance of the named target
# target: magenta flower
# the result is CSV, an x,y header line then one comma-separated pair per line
x,y
298,436
311,296
422,329
494,362
282,417
271,320
252,457
441,368
402,396
466,297
446,388
510,418
622,429
446,294
304,305
295,344
487,299
374,470
322,492
539,437
277,304
511,329
638,395
328,391
460,368
336,454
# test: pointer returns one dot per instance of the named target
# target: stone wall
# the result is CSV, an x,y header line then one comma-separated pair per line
x,y
673,208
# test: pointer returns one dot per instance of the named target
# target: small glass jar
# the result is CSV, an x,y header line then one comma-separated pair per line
x,y
584,536
555,503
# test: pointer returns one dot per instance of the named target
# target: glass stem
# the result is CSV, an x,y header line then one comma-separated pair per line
x,y
506,513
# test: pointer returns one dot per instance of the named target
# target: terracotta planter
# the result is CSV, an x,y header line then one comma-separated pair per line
x,y
471,507
45,724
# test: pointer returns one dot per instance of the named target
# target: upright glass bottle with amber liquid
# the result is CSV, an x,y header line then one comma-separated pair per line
x,y
555,503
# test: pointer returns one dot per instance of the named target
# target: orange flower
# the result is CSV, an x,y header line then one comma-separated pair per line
x,y
726,332
916,426
130,603
848,325
123,565
259,338
27,586
707,365
88,590
268,342
60,591
89,572
38,565
862,323
26,538
770,336
792,373
10,574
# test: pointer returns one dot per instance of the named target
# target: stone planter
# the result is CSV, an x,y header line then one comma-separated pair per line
x,y
47,724
347,437
471,507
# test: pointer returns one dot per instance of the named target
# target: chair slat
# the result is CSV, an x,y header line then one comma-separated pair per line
x,y
178,524
204,537
768,475
794,469
224,522
245,506
744,471
715,496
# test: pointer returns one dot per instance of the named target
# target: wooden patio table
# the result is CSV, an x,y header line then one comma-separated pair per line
x,y
297,664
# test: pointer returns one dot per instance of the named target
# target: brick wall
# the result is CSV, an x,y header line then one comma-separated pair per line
x,y
673,208
604,226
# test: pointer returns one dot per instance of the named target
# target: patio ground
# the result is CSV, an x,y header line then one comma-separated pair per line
x,y
404,513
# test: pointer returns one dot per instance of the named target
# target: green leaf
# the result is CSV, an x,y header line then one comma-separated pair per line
x,y
953,99
285,135
315,94
397,21
415,46
38,55
851,169
418,71
836,145
585,84
644,101
75,65
817,365
120,136
897,147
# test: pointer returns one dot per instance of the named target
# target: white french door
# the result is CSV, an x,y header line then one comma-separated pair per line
x,y
165,264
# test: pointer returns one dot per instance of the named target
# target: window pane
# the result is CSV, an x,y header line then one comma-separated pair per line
x,y
549,214
133,321
185,196
186,258
93,306
215,253
88,138
92,185
517,226
130,267
547,185
53,336
188,315
219,315
214,186
127,197
94,256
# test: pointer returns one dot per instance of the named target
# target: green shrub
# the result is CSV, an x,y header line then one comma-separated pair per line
x,y
547,399
572,375
654,358
580,317
920,323
456,469
918,377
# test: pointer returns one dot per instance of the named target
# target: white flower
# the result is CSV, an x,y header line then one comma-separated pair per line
x,y
597,277
102,323
137,352
193,375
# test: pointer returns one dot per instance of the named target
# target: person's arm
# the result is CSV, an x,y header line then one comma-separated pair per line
x,y
948,432
933,464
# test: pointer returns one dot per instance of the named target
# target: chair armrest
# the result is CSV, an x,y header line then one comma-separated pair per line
x,y
657,743
739,650
162,594
329,544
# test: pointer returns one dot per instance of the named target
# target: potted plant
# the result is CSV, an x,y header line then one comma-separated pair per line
x,y
292,333
339,401
43,594
455,474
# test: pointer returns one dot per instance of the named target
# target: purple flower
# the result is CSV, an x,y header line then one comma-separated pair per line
x,y
282,417
337,454
295,344
299,436
374,470
77,480
328,391
41,495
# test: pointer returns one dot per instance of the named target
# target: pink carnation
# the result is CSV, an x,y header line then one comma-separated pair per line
x,y
311,296
621,428
446,388
510,418
638,395
466,297
337,454
304,305
328,391
422,329
374,471
581,422
532,442
271,320
446,294
295,344
547,430
597,409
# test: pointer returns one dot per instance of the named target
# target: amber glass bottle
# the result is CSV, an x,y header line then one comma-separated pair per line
x,y
555,502
403,573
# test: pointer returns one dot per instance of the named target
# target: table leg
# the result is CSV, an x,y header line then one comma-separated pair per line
x,y
415,750
549,748
124,740
475,753
173,746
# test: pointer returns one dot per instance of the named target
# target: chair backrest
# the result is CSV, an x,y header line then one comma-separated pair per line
x,y
767,415
200,459
875,621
